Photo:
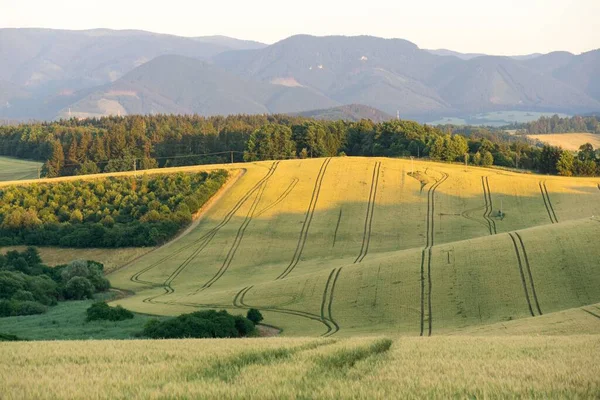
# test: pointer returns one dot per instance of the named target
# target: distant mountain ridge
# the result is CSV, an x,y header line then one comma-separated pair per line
x,y
46,73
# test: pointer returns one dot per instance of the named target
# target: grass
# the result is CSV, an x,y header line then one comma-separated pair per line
x,y
12,169
440,367
66,321
568,141
359,246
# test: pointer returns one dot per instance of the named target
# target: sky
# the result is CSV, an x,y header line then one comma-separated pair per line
x,y
502,27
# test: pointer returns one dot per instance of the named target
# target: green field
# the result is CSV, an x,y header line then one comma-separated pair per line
x,y
66,321
362,246
540,367
12,169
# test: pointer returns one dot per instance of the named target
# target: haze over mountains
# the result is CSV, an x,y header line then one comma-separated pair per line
x,y
45,74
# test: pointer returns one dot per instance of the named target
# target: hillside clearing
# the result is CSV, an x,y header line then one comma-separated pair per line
x,y
568,141
13,169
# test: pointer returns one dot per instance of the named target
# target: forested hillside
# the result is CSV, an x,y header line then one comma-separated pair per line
x,y
111,144
111,212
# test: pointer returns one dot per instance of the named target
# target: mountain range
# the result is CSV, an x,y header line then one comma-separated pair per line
x,y
47,74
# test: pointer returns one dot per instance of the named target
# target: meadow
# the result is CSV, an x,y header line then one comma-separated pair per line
x,y
568,141
13,169
441,367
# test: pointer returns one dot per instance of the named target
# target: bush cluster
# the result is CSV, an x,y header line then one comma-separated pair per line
x,y
102,311
200,324
111,212
28,287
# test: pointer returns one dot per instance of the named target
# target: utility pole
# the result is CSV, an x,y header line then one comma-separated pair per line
x,y
466,160
232,156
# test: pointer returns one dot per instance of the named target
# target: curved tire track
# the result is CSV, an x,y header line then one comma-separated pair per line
x,y
369,216
307,220
426,257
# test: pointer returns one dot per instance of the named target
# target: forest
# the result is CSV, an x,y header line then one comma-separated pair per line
x,y
108,212
111,144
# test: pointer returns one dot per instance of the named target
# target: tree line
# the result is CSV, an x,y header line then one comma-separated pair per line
x,y
111,144
108,212
556,124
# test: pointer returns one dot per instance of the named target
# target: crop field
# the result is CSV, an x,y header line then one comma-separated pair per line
x,y
12,169
371,246
439,367
568,141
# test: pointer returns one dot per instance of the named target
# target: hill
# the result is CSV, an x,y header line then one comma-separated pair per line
x,y
352,246
393,74
351,112
182,85
568,141
44,71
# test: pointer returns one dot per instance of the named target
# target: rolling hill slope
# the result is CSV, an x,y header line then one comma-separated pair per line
x,y
351,246
176,84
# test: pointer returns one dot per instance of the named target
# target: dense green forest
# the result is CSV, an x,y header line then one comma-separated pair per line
x,y
108,212
556,124
111,144
28,287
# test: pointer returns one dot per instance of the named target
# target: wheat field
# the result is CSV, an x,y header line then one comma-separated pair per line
x,y
364,246
442,367
568,141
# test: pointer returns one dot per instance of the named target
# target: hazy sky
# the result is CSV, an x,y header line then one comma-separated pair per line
x,y
508,27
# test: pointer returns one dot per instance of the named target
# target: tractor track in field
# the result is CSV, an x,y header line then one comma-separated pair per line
x,y
204,241
364,249
238,302
522,273
327,302
528,266
489,206
593,314
307,220
426,256
337,226
282,197
547,202
207,237
467,214
237,241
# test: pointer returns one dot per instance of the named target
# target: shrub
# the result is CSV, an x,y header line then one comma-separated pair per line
x,y
102,311
200,324
12,308
78,288
254,315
